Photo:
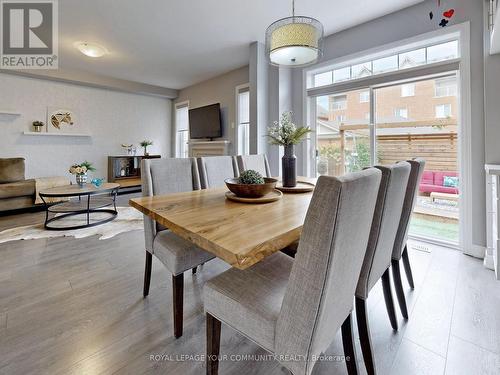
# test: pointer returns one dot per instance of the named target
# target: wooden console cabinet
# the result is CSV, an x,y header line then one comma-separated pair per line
x,y
126,170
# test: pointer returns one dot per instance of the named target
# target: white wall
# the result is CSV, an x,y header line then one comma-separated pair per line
x,y
220,89
111,117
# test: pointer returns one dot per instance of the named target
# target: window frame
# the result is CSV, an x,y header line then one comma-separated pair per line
x,y
447,87
397,112
443,105
361,96
178,106
404,85
461,65
239,89
343,107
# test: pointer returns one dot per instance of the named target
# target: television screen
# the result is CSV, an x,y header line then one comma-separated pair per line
x,y
204,122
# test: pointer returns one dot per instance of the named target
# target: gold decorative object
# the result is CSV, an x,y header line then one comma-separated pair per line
x,y
59,118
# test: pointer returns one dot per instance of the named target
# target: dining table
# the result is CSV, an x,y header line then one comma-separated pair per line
x,y
241,234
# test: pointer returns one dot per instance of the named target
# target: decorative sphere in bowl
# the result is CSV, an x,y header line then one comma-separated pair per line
x,y
251,190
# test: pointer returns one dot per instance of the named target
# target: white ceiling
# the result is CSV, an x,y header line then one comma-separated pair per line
x,y
176,43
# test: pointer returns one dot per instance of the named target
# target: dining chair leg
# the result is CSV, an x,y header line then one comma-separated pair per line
x,y
147,273
396,275
364,336
406,264
213,345
349,346
178,302
194,270
389,302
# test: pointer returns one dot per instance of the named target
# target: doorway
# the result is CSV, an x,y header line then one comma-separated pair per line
x,y
396,121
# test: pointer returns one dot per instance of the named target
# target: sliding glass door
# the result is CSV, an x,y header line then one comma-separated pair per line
x,y
343,132
387,123
419,119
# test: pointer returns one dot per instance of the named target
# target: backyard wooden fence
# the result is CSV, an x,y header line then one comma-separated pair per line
x,y
438,149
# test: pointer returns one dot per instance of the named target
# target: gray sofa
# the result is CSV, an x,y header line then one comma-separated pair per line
x,y
15,191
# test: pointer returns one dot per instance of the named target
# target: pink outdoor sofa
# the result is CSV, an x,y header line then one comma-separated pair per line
x,y
433,182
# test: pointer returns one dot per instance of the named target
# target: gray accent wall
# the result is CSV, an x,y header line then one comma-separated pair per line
x,y
220,89
413,21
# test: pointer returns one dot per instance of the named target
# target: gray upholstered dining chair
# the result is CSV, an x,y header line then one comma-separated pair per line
x,y
258,163
379,251
215,169
400,249
293,308
165,176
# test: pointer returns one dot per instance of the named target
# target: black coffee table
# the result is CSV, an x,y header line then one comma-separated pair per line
x,y
90,200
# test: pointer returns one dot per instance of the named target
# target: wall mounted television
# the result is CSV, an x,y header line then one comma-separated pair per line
x,y
205,122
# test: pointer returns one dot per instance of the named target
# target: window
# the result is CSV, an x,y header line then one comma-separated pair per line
x,y
445,87
397,61
361,70
443,111
441,52
385,64
407,90
401,113
412,58
244,121
342,74
339,102
364,96
182,130
323,79
340,118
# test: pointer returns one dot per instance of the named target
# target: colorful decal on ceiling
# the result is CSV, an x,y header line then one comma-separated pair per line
x,y
447,15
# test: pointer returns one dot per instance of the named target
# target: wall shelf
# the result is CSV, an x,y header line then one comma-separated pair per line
x,y
57,134
9,113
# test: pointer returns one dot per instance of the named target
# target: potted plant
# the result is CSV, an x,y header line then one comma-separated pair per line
x,y
145,145
251,184
285,133
80,172
37,126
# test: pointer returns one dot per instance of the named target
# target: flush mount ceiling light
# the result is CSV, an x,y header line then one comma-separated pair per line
x,y
91,49
294,41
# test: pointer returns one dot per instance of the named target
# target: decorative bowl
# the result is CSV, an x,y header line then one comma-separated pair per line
x,y
97,182
251,190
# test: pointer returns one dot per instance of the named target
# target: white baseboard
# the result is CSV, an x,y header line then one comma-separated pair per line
x,y
488,262
476,251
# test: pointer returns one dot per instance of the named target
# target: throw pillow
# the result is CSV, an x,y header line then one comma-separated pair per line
x,y
450,181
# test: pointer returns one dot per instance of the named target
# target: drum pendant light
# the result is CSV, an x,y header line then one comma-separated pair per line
x,y
294,41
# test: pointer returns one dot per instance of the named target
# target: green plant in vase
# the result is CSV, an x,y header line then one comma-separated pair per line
x,y
285,133
144,144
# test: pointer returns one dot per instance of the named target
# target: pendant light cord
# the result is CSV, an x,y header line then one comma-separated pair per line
x,y
293,8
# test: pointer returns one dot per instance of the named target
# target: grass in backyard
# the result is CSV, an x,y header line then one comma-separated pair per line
x,y
435,229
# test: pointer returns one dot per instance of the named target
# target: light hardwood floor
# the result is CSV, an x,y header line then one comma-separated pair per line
x,y
72,306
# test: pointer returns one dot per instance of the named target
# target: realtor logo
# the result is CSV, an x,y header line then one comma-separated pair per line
x,y
29,34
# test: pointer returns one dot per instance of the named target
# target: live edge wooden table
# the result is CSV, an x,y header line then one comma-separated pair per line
x,y
238,233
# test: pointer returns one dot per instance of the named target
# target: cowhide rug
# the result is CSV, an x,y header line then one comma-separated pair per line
x,y
128,219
